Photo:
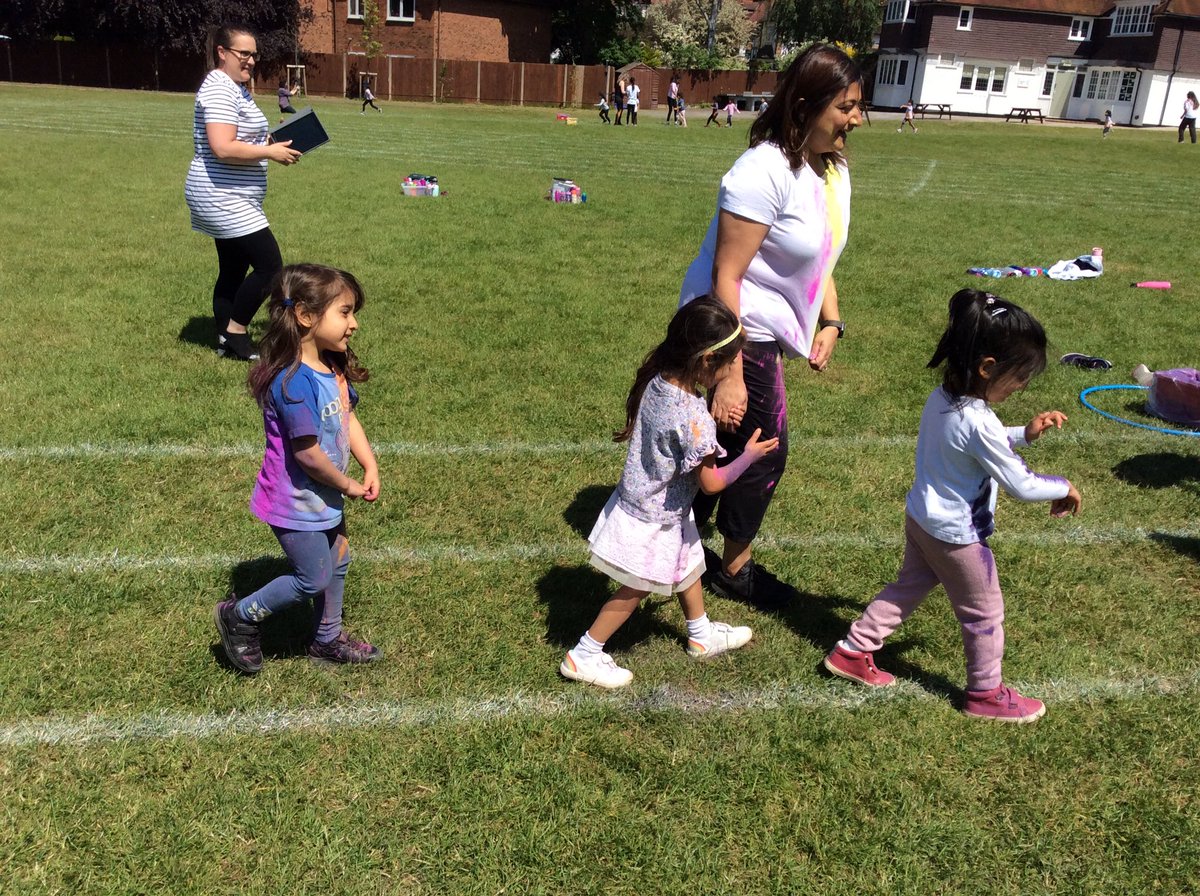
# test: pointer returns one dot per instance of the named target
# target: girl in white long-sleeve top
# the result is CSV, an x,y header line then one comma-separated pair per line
x,y
991,349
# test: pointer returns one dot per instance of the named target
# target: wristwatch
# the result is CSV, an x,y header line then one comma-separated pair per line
x,y
839,325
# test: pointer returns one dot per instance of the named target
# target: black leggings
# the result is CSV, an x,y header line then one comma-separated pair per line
x,y
1187,124
236,294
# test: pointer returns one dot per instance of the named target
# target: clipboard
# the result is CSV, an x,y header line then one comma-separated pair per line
x,y
304,129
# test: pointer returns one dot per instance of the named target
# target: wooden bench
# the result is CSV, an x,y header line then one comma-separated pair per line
x,y
940,108
1024,113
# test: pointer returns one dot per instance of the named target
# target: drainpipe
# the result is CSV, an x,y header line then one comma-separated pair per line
x,y
1136,90
1171,77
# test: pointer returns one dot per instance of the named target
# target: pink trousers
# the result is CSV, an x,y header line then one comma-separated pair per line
x,y
968,573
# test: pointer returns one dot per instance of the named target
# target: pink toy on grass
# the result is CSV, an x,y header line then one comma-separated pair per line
x,y
1154,284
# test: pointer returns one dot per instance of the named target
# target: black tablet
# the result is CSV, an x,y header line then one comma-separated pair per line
x,y
304,129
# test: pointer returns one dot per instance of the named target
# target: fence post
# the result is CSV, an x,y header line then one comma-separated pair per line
x,y
478,81
435,79
58,58
521,97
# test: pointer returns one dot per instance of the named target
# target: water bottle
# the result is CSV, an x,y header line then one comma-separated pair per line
x,y
1098,258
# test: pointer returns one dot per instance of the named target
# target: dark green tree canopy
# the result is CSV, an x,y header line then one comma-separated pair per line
x,y
851,22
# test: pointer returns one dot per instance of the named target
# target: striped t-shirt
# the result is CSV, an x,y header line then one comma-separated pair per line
x,y
225,198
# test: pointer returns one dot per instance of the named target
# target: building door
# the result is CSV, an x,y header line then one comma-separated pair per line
x,y
1060,92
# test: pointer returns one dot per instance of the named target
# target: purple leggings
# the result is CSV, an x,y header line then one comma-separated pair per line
x,y
968,573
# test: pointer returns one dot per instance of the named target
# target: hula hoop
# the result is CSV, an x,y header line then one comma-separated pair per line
x,y
1087,404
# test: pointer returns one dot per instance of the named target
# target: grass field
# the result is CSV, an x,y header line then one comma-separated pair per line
x,y
502,333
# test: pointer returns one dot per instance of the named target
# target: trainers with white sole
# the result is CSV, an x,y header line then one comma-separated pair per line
x,y
721,637
600,670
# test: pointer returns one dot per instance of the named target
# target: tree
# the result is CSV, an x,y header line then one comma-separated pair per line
x,y
689,35
160,25
587,32
371,23
851,22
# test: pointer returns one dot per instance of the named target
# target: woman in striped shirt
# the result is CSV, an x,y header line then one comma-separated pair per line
x,y
226,184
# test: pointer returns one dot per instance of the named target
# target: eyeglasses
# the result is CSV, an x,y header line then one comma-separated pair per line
x,y
244,55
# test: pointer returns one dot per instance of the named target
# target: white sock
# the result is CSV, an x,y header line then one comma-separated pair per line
x,y
847,644
699,627
588,647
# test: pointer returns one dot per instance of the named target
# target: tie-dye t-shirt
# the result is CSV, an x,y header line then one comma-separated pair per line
x,y
809,219
315,404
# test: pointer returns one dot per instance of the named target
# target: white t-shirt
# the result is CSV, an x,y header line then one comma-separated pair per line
x,y
809,219
1189,109
225,198
632,92
963,451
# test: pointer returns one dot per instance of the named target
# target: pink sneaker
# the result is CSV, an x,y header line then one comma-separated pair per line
x,y
859,666
1003,704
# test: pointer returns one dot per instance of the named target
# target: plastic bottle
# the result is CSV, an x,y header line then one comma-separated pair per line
x,y
434,191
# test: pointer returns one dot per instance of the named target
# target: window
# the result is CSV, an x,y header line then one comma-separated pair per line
x,y
1133,19
945,60
1107,84
1081,29
402,10
1048,83
893,70
965,14
1025,65
983,78
899,11
354,9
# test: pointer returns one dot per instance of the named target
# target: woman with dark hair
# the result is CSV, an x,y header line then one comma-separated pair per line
x,y
783,212
1188,121
226,184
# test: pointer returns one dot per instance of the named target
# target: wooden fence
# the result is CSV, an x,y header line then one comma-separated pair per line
x,y
394,77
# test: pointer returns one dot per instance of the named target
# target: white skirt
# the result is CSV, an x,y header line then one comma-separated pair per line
x,y
654,557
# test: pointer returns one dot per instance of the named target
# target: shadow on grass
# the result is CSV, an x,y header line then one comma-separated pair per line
x,y
199,331
285,634
582,512
1188,547
1160,470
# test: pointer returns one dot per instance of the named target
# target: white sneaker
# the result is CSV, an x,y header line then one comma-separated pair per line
x,y
899,130
721,637
600,670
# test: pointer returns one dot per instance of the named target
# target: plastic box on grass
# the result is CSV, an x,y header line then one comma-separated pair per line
x,y
420,185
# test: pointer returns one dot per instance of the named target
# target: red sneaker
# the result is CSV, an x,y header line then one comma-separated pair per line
x,y
859,666
1003,704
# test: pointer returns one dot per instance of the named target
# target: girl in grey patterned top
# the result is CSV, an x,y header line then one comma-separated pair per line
x,y
646,538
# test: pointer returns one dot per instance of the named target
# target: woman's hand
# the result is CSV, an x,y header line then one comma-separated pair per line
x,y
730,401
822,348
1042,422
283,153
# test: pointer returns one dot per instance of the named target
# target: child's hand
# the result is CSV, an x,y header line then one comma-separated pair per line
x,y
355,490
370,485
757,449
1042,422
1068,506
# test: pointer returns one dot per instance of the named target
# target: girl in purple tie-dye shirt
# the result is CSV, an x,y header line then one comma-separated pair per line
x,y
304,384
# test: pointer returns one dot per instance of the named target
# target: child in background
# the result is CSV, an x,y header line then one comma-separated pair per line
x,y
304,383
368,100
731,110
646,537
1108,122
990,349
285,97
907,109
716,110
680,111
603,107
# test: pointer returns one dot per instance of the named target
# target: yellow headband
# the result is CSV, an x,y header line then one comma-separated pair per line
x,y
737,331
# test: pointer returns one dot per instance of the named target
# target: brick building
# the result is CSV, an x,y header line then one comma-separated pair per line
x,y
480,30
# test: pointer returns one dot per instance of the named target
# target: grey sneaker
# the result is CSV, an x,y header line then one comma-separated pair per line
x,y
240,639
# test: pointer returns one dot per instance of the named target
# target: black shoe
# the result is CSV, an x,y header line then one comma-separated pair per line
x,y
1085,361
752,585
345,648
237,346
240,639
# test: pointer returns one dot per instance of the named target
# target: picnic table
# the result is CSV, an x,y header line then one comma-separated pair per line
x,y
940,108
750,102
1024,113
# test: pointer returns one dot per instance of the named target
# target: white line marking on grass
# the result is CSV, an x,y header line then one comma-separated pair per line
x,y
419,714
920,185
549,550
133,450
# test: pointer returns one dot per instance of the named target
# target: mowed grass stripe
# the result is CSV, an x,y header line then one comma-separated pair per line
x,y
96,728
465,553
